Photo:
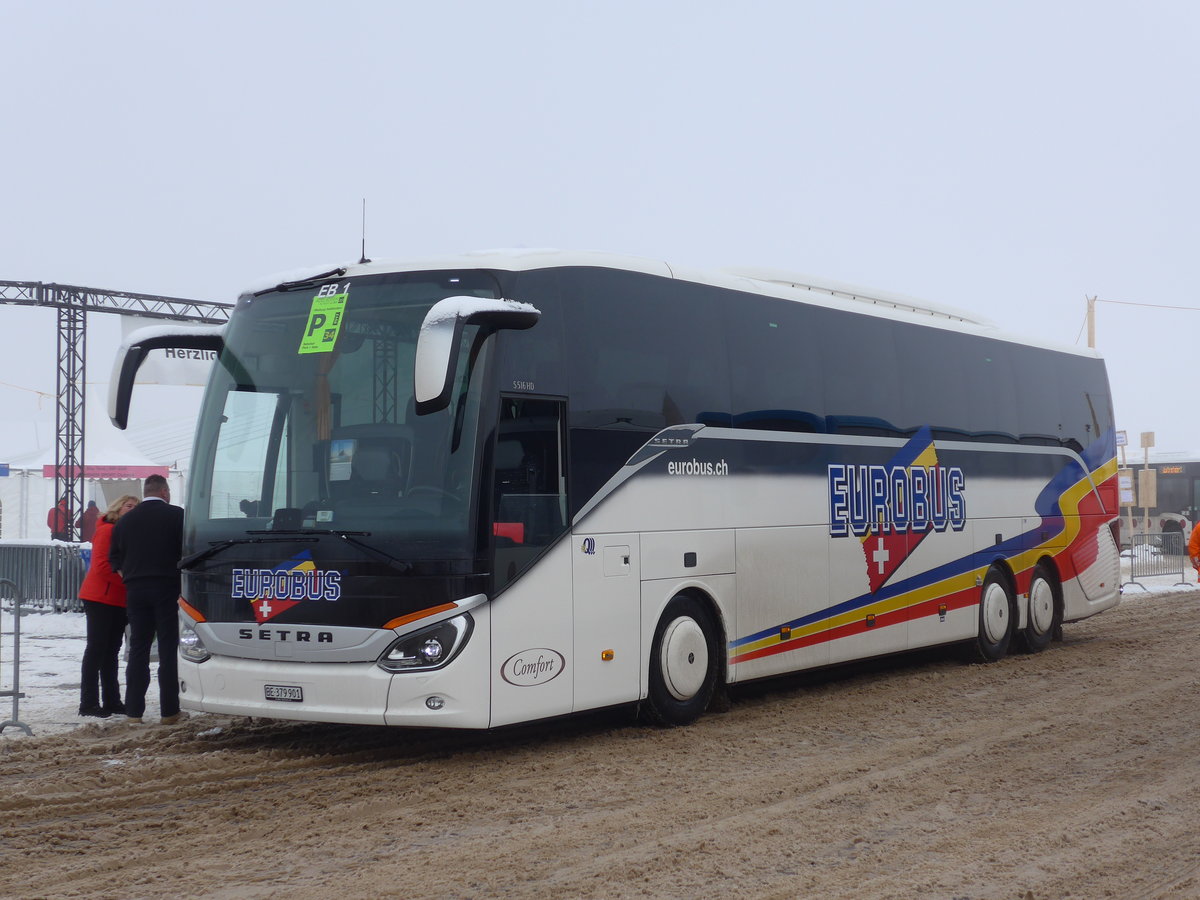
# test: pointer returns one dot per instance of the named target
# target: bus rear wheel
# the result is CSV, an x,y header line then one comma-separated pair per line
x,y
1045,614
996,618
683,663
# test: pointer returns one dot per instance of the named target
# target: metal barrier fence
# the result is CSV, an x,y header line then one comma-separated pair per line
x,y
7,588
1157,554
47,575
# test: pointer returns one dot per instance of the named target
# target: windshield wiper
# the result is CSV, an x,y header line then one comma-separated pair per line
x,y
188,561
351,538
311,281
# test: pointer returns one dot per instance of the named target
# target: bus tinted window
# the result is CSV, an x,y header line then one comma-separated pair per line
x,y
778,384
862,374
531,361
646,352
1086,414
1038,415
932,389
988,372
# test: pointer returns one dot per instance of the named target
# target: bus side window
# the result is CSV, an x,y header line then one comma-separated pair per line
x,y
530,493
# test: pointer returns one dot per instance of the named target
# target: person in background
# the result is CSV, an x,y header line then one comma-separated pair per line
x,y
147,543
58,520
103,596
1194,549
87,521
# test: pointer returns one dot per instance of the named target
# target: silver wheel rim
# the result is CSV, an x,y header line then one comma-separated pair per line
x,y
995,613
684,658
1041,606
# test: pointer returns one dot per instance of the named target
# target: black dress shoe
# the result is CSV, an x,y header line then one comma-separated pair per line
x,y
98,711
115,709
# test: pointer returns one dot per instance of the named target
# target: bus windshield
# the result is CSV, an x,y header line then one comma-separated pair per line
x,y
309,422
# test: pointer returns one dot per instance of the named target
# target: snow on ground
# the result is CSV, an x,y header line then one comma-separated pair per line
x,y
51,655
52,649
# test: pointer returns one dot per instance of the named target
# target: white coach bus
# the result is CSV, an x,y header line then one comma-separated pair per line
x,y
506,486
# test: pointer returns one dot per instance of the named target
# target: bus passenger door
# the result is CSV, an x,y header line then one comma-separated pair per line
x,y
531,610
607,620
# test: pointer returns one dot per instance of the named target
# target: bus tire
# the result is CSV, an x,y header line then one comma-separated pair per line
x,y
996,617
1045,612
683,663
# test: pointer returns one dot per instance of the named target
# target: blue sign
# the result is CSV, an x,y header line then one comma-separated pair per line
x,y
3,470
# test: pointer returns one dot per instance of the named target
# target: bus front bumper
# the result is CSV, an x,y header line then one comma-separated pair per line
x,y
352,693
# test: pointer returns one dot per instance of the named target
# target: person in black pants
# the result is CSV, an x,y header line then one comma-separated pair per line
x,y
147,544
103,596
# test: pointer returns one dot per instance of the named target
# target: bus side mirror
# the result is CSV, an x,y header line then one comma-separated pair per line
x,y
437,345
132,354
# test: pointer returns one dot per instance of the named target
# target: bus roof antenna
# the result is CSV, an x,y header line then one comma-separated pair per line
x,y
363,257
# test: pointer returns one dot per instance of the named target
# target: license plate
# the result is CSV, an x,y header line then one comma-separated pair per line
x,y
289,692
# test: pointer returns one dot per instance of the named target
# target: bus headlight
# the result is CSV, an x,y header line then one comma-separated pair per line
x,y
431,651
190,645
428,648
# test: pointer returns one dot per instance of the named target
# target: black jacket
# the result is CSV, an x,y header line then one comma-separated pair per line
x,y
147,542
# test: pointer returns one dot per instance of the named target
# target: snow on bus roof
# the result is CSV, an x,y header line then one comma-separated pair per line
x,y
766,282
170,329
456,307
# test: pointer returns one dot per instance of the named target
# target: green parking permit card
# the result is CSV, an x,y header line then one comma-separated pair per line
x,y
324,323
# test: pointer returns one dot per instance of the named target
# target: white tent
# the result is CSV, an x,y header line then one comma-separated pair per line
x,y
112,467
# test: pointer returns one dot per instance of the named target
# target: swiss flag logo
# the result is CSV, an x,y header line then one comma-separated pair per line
x,y
886,547
885,553
267,608
274,602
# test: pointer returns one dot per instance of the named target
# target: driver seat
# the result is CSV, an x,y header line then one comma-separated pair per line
x,y
375,470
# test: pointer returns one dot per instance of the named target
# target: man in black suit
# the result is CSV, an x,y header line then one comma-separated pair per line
x,y
147,543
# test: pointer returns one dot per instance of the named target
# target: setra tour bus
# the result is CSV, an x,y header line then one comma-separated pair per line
x,y
505,486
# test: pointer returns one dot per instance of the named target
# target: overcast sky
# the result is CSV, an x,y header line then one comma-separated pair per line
x,y
1010,158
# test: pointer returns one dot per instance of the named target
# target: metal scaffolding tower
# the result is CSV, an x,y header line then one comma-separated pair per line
x,y
73,304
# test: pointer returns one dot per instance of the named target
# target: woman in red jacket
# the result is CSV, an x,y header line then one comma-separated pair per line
x,y
103,596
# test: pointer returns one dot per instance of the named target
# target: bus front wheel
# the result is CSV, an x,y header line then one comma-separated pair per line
x,y
996,618
683,663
